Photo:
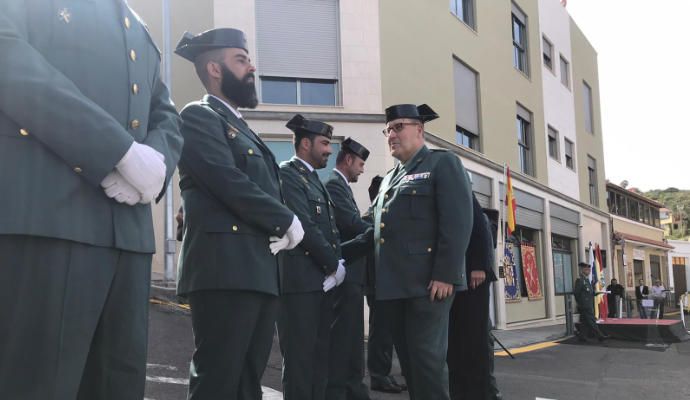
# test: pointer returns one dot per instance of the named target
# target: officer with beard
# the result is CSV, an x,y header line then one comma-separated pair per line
x,y
311,270
235,223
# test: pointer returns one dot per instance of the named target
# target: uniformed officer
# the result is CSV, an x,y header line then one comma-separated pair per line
x,y
469,358
311,270
346,370
422,224
584,296
233,207
88,138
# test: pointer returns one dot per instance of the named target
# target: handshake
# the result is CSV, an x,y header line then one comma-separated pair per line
x,y
138,177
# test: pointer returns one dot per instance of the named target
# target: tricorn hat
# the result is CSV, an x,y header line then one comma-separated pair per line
x,y
303,126
355,148
584,265
423,113
190,45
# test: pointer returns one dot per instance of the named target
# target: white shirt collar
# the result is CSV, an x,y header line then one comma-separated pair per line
x,y
237,113
311,169
341,174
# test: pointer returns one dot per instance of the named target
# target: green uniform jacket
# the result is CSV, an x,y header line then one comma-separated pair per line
x,y
584,294
307,265
79,82
232,203
349,222
422,225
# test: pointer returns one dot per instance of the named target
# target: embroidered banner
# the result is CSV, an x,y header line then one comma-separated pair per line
x,y
529,268
512,283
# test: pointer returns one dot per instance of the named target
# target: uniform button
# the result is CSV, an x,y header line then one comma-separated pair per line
x,y
414,191
277,229
306,253
319,199
428,250
334,231
23,132
383,225
135,88
127,23
132,55
234,228
333,245
384,210
134,124
250,151
385,196
382,241
77,170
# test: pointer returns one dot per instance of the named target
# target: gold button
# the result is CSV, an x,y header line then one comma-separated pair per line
x,y
234,228
306,253
414,191
134,124
382,241
77,170
318,199
23,132
133,55
333,230
251,151
277,229
135,88
428,250
333,245
384,210
127,23
383,225
385,196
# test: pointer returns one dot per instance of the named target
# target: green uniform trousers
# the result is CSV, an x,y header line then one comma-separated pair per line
x,y
420,334
73,321
233,335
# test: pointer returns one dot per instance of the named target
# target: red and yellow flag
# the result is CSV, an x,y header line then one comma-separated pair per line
x,y
511,204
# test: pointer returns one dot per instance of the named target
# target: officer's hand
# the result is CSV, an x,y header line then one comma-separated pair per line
x,y
477,278
340,272
439,290
278,243
329,283
295,233
144,168
116,187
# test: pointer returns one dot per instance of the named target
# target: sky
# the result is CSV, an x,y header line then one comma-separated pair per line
x,y
644,78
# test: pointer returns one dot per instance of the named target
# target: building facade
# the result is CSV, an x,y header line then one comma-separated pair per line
x,y
514,83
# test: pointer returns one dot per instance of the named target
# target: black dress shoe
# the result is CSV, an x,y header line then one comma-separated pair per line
x,y
385,385
402,386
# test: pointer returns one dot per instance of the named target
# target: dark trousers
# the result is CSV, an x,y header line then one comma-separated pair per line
x,y
468,340
73,321
304,329
613,306
660,303
346,356
379,344
641,310
420,333
233,335
588,324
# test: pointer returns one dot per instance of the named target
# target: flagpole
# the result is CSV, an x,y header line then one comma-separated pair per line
x,y
502,218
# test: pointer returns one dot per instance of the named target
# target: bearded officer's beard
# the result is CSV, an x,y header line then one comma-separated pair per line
x,y
241,92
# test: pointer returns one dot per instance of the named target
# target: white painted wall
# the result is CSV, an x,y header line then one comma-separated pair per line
x,y
559,111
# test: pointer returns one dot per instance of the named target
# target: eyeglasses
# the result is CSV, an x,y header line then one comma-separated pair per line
x,y
396,128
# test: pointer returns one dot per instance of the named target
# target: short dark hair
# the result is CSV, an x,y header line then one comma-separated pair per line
x,y
341,156
202,60
298,139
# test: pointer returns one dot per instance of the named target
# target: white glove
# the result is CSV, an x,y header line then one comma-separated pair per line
x,y
340,272
329,283
116,187
144,168
278,243
295,233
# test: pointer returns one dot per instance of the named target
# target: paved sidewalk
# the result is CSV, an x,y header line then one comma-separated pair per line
x,y
512,338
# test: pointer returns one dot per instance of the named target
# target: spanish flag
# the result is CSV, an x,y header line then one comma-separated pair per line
x,y
511,204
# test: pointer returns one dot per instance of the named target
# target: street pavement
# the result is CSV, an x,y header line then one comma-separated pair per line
x,y
566,370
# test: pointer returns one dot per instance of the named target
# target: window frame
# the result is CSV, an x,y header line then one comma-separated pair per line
x,y
592,181
298,88
556,141
474,138
525,144
588,97
520,48
544,42
572,154
468,12
563,60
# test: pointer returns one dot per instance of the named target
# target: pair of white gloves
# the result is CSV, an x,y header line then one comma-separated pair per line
x,y
138,177
293,236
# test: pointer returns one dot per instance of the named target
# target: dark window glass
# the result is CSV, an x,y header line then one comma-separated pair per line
x,y
466,138
278,91
317,93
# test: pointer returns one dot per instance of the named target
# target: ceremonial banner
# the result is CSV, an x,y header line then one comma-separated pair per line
x,y
529,268
511,280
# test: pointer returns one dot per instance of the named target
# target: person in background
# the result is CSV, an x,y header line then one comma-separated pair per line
x,y
641,293
658,294
616,292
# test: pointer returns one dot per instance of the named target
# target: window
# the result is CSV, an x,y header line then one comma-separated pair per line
x,y
524,135
464,10
634,208
565,72
569,150
655,267
638,268
589,118
466,105
547,53
592,179
519,21
562,264
553,144
298,91
297,66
